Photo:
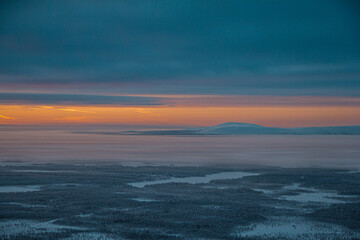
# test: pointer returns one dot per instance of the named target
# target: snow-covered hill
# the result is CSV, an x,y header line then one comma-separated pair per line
x,y
233,128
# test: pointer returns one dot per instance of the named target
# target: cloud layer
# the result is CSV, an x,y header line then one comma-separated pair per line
x,y
192,47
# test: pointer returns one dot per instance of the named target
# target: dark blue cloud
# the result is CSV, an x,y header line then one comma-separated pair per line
x,y
74,99
217,47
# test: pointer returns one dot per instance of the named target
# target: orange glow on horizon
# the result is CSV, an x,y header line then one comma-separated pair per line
x,y
277,116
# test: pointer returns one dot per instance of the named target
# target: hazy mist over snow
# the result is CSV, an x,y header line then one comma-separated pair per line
x,y
52,145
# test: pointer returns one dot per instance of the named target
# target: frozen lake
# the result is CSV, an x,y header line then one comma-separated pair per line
x,y
196,180
14,189
312,195
306,195
39,171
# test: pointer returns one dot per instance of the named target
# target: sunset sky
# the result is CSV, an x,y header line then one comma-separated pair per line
x,y
285,64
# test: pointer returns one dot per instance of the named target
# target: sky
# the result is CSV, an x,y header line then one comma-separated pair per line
x,y
275,63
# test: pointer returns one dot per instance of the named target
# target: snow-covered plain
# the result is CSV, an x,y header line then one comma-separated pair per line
x,y
91,236
23,226
294,228
96,202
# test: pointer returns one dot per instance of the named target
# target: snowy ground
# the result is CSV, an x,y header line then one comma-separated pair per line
x,y
15,227
105,201
295,228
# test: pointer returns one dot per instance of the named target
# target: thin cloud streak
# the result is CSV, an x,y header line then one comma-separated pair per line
x,y
271,101
73,99
56,101
7,118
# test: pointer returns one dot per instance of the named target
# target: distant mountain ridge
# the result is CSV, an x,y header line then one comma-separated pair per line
x,y
234,128
230,128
